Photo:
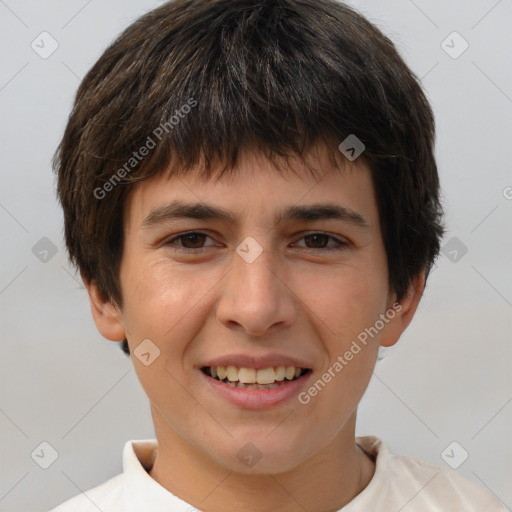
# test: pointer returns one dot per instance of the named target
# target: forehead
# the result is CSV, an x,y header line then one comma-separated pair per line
x,y
260,186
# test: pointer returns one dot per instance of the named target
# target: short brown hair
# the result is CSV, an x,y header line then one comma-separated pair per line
x,y
276,74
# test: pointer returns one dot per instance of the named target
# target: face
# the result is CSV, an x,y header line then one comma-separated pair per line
x,y
264,277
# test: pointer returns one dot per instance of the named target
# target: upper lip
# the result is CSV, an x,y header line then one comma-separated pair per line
x,y
257,362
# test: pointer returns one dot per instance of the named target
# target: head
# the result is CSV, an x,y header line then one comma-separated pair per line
x,y
242,105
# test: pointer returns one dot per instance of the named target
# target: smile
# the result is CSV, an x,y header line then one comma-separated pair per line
x,y
252,378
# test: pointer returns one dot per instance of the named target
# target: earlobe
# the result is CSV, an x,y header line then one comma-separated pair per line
x,y
405,309
107,316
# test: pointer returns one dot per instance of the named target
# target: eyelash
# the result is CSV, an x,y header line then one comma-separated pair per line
x,y
341,244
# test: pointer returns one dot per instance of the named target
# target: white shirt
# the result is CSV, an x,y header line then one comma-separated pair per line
x,y
399,484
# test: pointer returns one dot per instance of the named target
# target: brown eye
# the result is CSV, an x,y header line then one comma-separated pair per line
x,y
193,240
318,240
323,242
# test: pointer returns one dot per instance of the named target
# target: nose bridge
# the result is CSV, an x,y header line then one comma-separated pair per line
x,y
254,277
254,297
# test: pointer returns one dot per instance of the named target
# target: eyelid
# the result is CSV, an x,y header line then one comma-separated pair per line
x,y
178,236
341,241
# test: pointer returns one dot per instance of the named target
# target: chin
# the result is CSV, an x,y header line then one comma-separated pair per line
x,y
262,451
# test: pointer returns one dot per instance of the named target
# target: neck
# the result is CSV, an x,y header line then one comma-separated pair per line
x,y
325,482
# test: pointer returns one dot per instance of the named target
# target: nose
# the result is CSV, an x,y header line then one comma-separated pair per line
x,y
254,297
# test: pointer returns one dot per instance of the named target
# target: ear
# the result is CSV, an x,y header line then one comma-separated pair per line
x,y
107,316
404,311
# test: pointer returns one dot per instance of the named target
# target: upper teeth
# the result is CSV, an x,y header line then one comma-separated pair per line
x,y
253,376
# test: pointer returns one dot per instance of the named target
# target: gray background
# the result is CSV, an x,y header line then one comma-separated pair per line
x,y
448,379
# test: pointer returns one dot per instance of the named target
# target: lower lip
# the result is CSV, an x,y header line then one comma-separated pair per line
x,y
257,398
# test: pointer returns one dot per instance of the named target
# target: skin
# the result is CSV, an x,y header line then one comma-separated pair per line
x,y
298,298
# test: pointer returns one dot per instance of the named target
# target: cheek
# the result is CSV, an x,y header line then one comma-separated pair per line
x,y
154,300
346,303
348,306
166,303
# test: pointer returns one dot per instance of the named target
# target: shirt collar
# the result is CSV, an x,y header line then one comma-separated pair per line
x,y
142,492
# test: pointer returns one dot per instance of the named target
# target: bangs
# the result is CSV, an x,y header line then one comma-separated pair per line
x,y
245,79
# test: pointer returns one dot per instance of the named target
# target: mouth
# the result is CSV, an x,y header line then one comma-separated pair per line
x,y
255,379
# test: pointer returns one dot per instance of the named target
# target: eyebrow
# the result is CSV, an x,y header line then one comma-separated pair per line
x,y
318,211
